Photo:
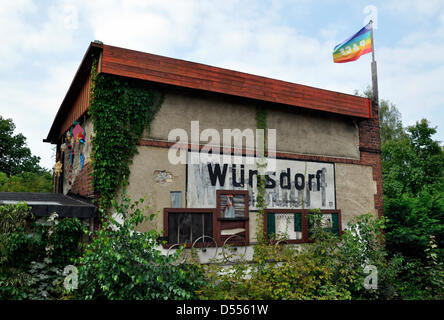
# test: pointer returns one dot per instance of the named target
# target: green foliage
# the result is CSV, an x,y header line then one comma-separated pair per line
x,y
120,110
412,221
413,179
121,263
261,123
63,237
261,117
419,280
16,237
26,182
413,182
390,122
33,253
329,268
413,163
15,156
13,220
14,217
46,280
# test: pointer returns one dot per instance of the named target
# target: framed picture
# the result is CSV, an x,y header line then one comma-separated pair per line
x,y
232,224
232,204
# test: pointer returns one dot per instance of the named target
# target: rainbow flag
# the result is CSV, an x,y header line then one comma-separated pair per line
x,y
354,47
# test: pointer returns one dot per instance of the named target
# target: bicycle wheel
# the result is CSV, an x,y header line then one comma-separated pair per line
x,y
234,248
206,248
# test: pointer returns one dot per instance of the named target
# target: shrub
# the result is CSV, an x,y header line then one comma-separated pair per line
x,y
329,268
63,237
33,253
121,263
14,220
412,221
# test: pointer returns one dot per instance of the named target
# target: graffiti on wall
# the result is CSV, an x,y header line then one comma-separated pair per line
x,y
293,184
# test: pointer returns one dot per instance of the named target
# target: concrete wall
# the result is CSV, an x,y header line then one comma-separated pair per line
x,y
144,182
355,191
355,187
302,133
297,131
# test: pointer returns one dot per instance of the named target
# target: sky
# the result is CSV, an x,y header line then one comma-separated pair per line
x,y
43,43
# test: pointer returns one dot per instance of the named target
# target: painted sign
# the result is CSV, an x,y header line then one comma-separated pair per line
x,y
293,184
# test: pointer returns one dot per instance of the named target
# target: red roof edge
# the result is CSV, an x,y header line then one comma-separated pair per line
x,y
181,73
82,72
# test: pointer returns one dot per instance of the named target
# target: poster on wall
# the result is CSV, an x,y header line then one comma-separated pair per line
x,y
294,184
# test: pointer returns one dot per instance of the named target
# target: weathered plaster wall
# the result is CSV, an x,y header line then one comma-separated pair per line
x,y
178,110
355,190
142,182
80,178
355,187
297,131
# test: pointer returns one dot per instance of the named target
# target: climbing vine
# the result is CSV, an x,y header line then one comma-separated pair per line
x,y
120,109
261,123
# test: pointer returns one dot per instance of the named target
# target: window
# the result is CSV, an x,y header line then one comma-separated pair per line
x,y
330,221
184,225
292,226
232,223
285,225
176,199
232,204
227,224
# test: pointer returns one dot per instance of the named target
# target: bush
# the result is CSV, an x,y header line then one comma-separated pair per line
x,y
412,221
329,268
13,222
121,263
63,237
34,253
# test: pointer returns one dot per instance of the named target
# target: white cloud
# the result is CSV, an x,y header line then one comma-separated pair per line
x,y
32,105
418,8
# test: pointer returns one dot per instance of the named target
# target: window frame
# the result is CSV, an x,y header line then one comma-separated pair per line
x,y
167,211
305,213
225,223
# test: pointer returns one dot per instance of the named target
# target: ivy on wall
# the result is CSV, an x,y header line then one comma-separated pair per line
x,y
120,109
261,123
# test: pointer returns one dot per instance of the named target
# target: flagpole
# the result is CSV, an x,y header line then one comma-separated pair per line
x,y
374,69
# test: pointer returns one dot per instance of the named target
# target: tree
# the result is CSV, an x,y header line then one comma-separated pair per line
x,y
413,182
15,156
412,163
390,122
26,182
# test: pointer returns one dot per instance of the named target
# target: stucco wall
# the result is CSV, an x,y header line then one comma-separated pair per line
x,y
178,110
296,131
142,182
355,187
299,132
355,191
146,165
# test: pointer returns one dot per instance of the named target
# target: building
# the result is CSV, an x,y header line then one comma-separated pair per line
x,y
327,150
